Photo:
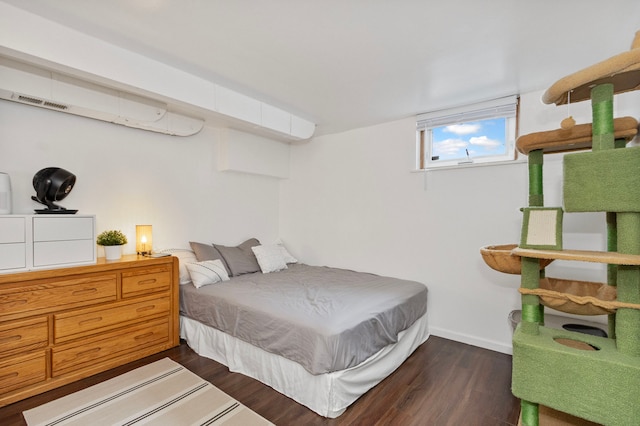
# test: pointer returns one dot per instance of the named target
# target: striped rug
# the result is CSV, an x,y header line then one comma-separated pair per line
x,y
161,393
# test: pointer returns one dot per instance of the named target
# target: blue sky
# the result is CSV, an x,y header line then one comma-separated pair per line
x,y
480,138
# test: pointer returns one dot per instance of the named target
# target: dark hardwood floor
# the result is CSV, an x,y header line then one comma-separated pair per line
x,y
442,383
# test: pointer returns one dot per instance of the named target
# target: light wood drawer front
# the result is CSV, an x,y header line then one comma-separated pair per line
x,y
22,371
108,345
29,334
145,281
48,297
73,324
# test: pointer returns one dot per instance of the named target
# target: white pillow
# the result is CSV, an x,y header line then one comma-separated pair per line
x,y
184,256
270,258
207,272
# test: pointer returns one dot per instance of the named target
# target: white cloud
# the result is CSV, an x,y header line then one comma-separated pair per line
x,y
485,142
449,147
463,129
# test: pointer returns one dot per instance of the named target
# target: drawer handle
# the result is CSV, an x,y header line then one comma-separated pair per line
x,y
87,352
146,308
90,320
144,336
149,281
9,376
9,339
85,291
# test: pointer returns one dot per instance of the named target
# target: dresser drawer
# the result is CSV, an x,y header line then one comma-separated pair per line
x,y
146,280
62,228
65,324
12,230
23,335
75,324
60,253
13,256
37,298
108,345
22,371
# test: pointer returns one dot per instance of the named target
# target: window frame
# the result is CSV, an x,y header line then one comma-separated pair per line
x,y
506,107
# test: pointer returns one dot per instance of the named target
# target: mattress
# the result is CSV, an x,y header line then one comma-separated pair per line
x,y
325,319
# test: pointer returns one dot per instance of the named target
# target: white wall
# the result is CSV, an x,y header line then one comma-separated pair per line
x,y
127,177
353,201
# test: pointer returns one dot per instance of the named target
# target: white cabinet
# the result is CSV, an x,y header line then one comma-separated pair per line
x,y
46,241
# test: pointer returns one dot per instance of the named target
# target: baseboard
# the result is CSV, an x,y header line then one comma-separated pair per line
x,y
472,340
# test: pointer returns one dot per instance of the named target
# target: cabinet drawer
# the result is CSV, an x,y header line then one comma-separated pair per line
x,y
146,280
57,253
108,345
62,228
13,256
22,371
24,335
47,296
71,325
12,230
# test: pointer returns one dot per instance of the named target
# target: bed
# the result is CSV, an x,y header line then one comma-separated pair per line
x,y
321,336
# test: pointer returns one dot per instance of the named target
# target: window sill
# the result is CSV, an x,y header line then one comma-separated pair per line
x,y
472,165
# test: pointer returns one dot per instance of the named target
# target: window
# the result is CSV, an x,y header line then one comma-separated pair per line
x,y
480,133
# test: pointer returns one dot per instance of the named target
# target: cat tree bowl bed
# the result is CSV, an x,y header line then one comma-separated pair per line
x,y
501,259
577,297
622,71
569,296
574,139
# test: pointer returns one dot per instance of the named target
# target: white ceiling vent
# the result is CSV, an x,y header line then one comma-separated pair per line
x,y
36,101
31,85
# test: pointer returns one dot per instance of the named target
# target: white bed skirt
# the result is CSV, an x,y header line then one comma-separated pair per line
x,y
329,394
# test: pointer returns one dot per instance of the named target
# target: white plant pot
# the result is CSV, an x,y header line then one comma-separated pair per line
x,y
112,252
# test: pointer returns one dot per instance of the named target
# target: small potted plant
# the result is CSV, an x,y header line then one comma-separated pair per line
x,y
112,241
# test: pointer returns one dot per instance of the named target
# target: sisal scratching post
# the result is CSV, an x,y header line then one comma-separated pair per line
x,y
535,162
602,111
532,314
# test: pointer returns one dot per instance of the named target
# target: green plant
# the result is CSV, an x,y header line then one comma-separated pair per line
x,y
111,238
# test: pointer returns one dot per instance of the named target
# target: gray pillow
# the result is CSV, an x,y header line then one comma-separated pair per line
x,y
208,252
240,259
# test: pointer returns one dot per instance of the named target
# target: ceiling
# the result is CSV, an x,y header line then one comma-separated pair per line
x,y
345,64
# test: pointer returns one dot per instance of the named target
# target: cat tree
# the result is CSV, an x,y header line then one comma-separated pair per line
x,y
590,377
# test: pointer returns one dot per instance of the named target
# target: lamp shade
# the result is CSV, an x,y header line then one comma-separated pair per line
x,y
144,239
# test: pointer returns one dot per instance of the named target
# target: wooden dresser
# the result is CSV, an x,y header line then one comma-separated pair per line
x,y
61,325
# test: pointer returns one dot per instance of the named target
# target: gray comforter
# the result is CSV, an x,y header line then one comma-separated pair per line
x,y
325,319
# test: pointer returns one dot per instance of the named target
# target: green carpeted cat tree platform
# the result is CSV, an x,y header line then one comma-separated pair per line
x,y
590,377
